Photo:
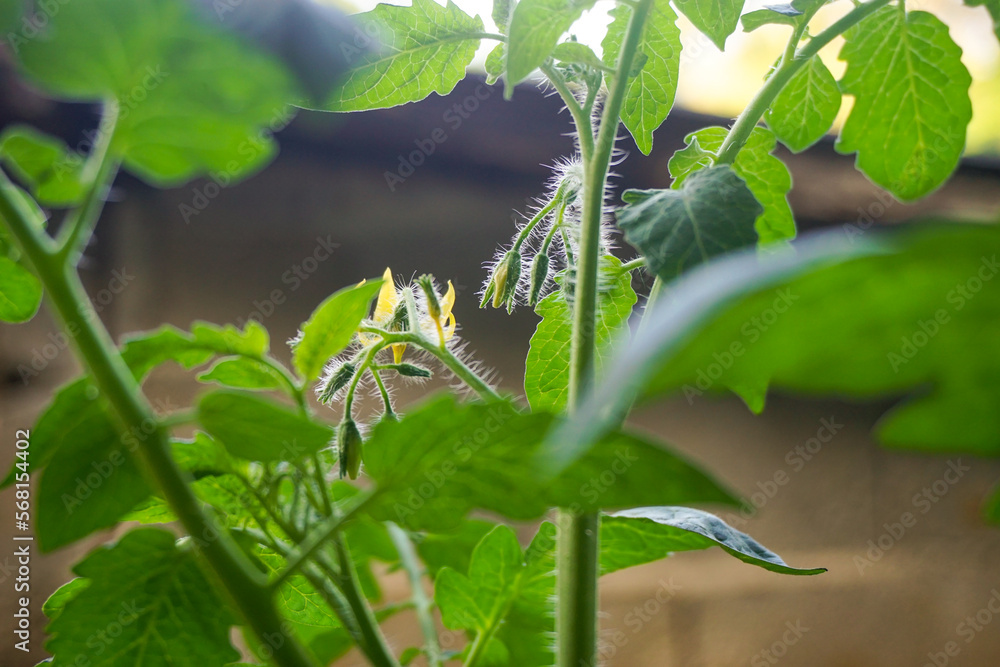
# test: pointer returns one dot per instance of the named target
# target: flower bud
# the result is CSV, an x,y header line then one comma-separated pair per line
x,y
505,278
349,443
337,382
539,274
412,371
426,283
488,293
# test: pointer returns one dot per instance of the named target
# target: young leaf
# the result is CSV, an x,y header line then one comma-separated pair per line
x,y
546,375
495,63
20,292
575,52
474,602
56,602
163,609
713,212
717,19
806,107
243,373
259,430
331,327
191,98
506,599
650,93
418,50
766,176
793,14
535,29
642,535
911,101
45,163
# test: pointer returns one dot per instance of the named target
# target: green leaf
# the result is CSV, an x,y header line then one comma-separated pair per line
x,y
650,93
90,479
773,14
575,52
202,456
144,352
243,373
911,101
506,595
20,292
806,107
444,459
331,327
645,534
713,212
56,602
765,175
473,602
156,595
452,549
717,19
418,50
502,11
496,63
45,163
794,14
256,429
192,99
546,375
535,29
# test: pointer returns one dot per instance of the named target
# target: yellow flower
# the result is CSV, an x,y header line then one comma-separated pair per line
x,y
446,322
385,310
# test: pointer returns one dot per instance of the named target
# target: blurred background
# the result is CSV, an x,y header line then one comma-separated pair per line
x,y
326,214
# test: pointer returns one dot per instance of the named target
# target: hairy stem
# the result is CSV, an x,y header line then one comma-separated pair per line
x,y
579,533
443,354
226,563
422,604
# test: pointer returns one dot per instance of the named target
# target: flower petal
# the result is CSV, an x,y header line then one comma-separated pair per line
x,y
387,299
397,352
448,301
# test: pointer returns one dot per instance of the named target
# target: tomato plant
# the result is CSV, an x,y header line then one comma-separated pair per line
x,y
280,538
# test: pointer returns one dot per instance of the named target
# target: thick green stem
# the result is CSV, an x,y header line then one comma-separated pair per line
x,y
788,67
577,553
374,645
226,563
